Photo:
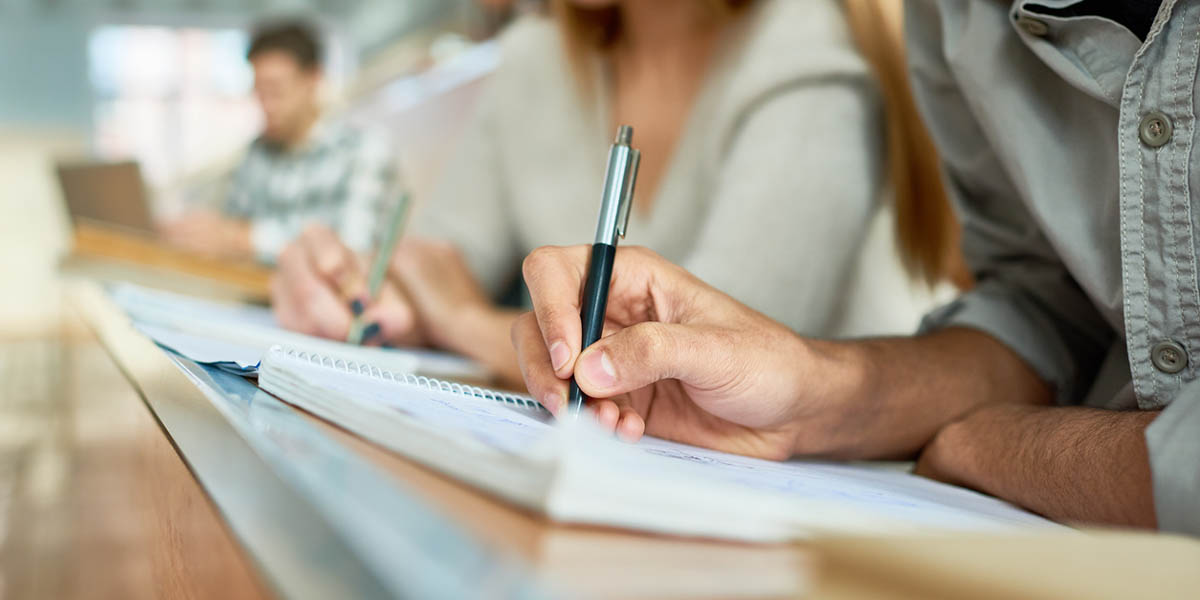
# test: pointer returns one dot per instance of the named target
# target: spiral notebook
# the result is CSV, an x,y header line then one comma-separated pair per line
x,y
507,445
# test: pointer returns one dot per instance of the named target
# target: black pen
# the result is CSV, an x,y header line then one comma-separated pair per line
x,y
615,205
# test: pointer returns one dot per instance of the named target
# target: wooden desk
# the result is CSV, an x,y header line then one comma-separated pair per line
x,y
104,253
96,502
99,504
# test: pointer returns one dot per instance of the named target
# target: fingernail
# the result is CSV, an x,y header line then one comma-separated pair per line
x,y
598,370
559,355
357,307
370,331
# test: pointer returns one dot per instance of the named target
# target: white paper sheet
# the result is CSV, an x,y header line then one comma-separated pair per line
x,y
226,334
879,495
205,350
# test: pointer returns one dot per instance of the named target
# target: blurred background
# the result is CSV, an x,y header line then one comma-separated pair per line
x,y
166,83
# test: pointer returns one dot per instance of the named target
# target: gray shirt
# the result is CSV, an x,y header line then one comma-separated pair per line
x,y
769,194
340,176
1067,144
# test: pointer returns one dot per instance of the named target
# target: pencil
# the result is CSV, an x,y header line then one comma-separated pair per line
x,y
379,266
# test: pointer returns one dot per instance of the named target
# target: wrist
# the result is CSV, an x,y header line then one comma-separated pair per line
x,y
947,457
953,453
832,396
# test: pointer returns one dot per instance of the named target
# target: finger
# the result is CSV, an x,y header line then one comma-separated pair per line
x,y
334,262
308,302
607,414
541,381
630,426
646,353
393,314
281,302
555,278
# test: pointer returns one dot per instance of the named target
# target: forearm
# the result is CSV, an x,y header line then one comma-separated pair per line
x,y
1068,463
484,333
893,395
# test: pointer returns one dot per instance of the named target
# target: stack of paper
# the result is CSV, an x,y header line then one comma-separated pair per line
x,y
234,337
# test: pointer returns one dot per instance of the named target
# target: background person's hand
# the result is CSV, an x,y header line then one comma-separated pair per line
x,y
679,359
209,234
319,284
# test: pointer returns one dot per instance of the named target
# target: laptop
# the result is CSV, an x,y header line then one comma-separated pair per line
x,y
110,194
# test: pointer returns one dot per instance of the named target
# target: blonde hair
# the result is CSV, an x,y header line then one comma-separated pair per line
x,y
927,231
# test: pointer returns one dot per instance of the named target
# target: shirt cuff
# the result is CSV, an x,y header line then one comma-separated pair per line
x,y
269,239
1017,322
1174,446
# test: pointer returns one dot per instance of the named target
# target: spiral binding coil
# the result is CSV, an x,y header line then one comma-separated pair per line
x,y
429,383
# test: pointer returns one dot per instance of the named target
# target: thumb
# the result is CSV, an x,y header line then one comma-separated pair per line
x,y
638,356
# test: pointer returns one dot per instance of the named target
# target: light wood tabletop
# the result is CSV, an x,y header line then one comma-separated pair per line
x,y
96,501
106,253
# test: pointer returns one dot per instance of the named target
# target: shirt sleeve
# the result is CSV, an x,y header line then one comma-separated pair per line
x,y
469,206
1024,296
801,172
372,191
268,234
1175,462
238,202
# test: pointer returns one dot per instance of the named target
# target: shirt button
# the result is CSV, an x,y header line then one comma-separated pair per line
x,y
1033,26
1169,357
1155,129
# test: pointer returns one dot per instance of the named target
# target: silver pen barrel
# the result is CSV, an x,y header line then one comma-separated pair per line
x,y
618,188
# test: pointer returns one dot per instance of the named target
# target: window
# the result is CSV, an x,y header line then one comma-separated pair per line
x,y
174,99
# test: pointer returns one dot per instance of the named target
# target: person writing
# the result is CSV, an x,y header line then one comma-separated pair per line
x,y
302,169
758,124
1065,381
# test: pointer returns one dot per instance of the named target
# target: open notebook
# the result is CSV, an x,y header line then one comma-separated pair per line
x,y
570,471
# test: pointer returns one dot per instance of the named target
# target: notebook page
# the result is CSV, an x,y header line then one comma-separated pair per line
x,y
484,443
885,492
497,425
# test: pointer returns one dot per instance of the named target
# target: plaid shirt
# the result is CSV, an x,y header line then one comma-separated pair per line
x,y
341,177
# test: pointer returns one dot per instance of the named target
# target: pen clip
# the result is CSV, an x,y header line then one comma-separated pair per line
x,y
635,159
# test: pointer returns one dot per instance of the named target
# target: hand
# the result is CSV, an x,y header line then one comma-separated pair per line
x,y
320,283
210,234
679,359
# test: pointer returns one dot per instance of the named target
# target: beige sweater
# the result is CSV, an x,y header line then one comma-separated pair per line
x,y
769,196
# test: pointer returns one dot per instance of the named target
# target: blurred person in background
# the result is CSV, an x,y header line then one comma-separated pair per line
x,y
764,160
302,169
